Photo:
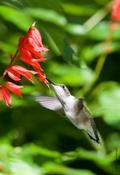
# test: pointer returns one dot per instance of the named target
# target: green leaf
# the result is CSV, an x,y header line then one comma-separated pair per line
x,y
19,18
107,104
52,44
75,29
102,30
113,143
47,15
8,48
44,151
99,158
11,3
70,74
77,10
90,53
60,45
52,168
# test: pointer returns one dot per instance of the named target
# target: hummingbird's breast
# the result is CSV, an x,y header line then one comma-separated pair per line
x,y
77,114
70,107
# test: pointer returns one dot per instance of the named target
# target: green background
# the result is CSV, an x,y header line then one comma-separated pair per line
x,y
36,141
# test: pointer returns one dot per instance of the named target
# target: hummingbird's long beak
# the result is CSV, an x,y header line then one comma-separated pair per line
x,y
50,81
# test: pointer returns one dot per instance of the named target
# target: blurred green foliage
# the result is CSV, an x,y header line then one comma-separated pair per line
x,y
36,141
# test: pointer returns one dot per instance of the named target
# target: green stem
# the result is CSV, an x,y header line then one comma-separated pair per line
x,y
98,16
99,65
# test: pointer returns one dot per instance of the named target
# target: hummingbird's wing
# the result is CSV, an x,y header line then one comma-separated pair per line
x,y
83,120
51,103
89,124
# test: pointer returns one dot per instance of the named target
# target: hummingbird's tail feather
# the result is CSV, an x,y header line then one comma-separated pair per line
x,y
92,132
96,140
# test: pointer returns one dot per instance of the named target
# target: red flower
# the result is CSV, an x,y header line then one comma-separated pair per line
x,y
14,88
16,71
116,11
26,56
30,48
41,76
5,94
32,42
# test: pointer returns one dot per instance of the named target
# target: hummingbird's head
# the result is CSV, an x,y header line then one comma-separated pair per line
x,y
60,90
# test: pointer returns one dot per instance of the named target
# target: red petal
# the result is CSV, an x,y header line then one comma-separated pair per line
x,y
25,53
34,33
42,77
6,96
33,62
13,88
23,71
35,46
1,97
22,41
116,10
14,75
35,53
20,69
34,39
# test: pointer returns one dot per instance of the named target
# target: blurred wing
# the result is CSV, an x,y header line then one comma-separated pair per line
x,y
51,103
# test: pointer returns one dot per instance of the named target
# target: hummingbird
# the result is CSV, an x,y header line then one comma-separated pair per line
x,y
72,107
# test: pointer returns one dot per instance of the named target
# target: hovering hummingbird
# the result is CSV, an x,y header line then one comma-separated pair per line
x,y
72,107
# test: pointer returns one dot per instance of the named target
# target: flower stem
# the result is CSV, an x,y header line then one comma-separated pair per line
x,y
13,58
97,17
99,65
11,62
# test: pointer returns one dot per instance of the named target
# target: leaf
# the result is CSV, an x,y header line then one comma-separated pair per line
x,y
19,18
52,44
101,32
78,10
21,167
91,52
52,168
59,44
47,15
44,151
70,74
113,143
7,47
99,158
11,3
108,103
12,162
75,29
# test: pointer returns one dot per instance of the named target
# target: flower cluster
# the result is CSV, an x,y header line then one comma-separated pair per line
x,y
116,11
30,50
112,25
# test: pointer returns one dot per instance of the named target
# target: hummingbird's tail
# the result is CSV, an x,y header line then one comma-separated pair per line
x,y
92,132
96,140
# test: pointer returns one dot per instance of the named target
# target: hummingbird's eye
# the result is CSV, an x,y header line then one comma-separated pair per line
x,y
63,86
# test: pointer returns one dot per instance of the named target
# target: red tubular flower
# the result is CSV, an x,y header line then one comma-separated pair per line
x,y
30,48
33,62
26,56
32,42
116,11
16,71
14,88
5,94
